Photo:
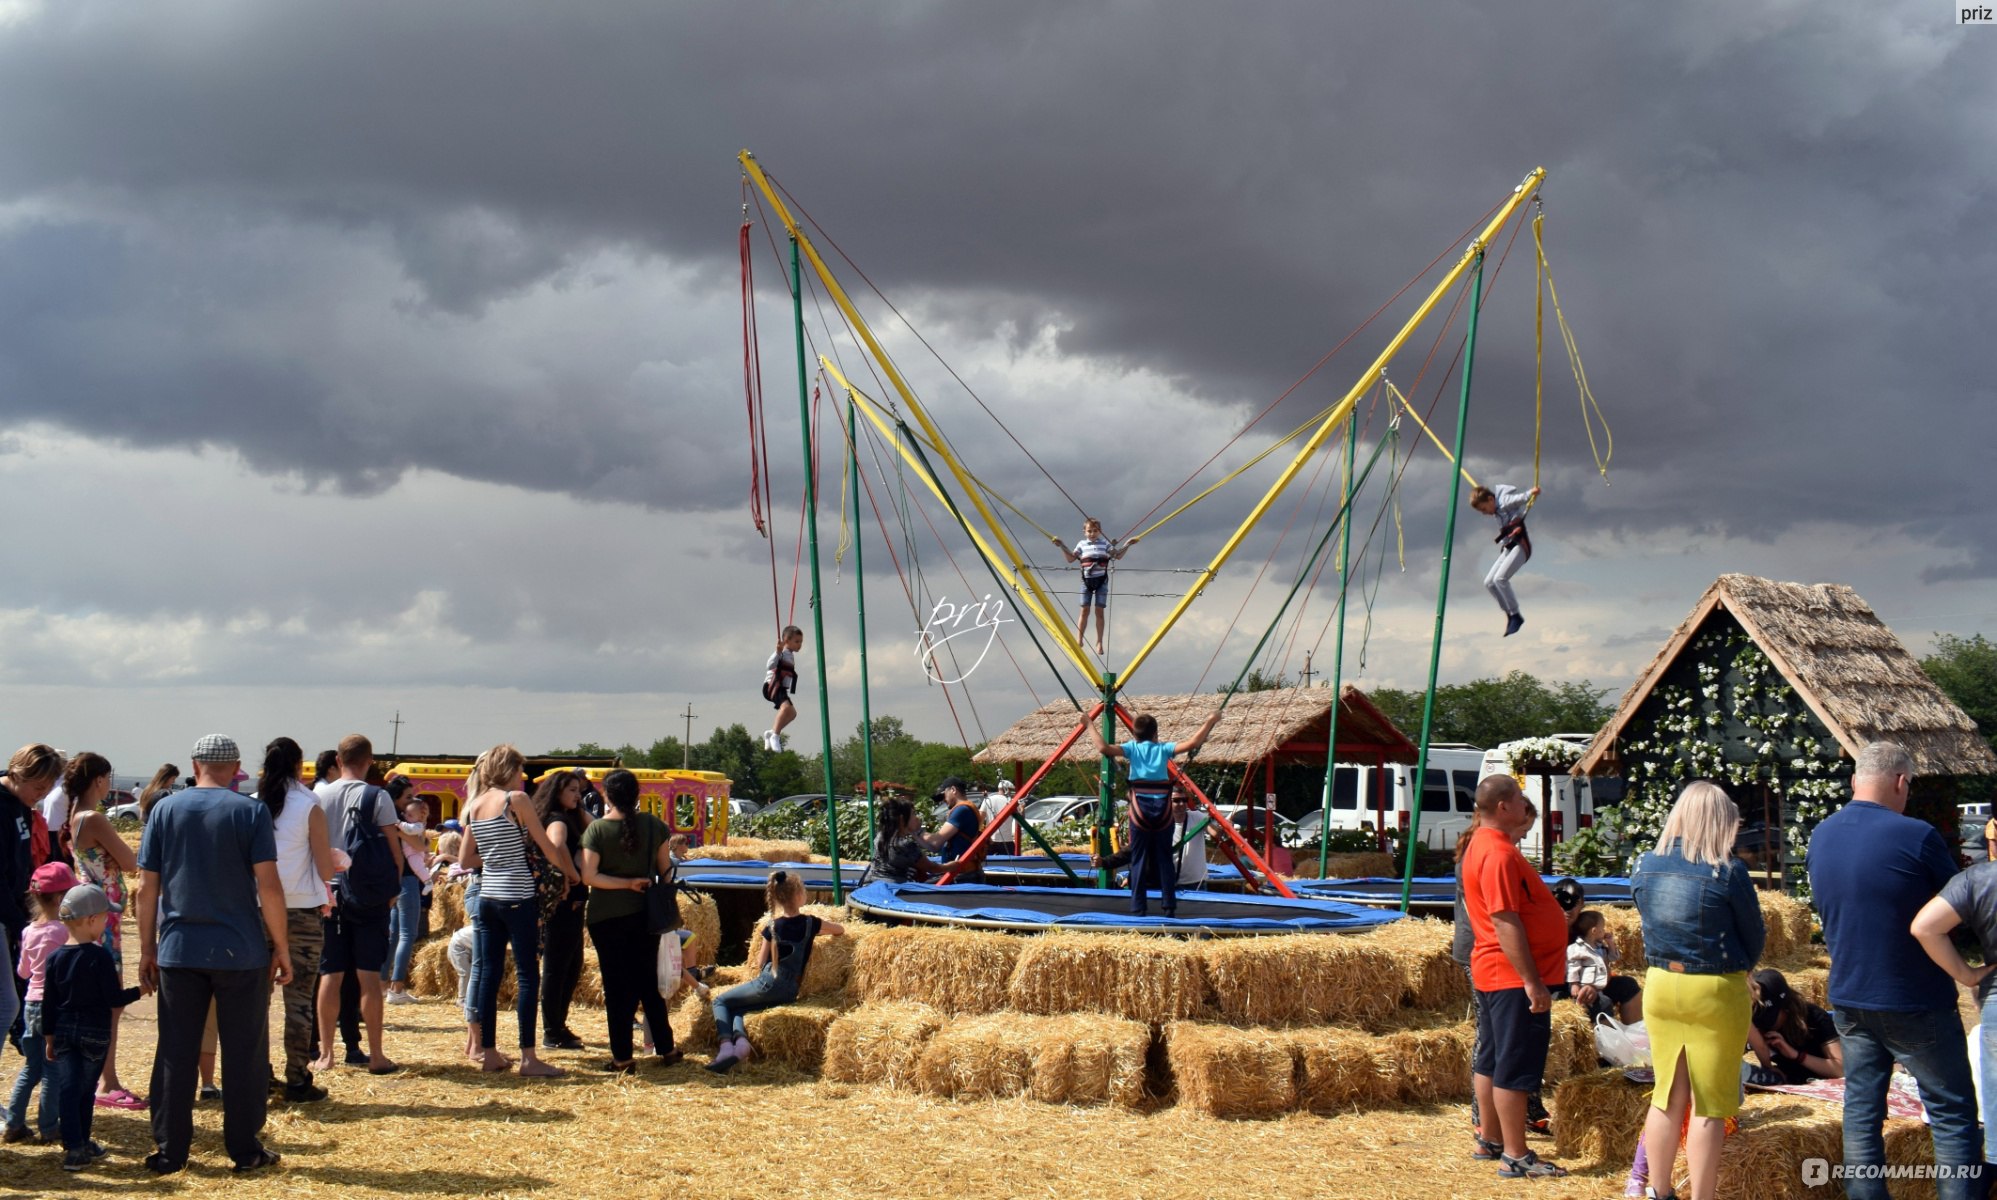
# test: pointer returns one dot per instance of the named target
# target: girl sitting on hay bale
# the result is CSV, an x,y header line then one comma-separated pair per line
x,y
781,955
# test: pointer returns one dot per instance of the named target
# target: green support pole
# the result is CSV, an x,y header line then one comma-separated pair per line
x,y
817,605
1442,589
1104,876
860,590
1338,651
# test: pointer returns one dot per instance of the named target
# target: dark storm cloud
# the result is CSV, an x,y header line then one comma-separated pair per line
x,y
1765,220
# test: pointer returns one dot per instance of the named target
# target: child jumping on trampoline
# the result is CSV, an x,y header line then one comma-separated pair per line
x,y
1095,552
779,681
1149,763
1508,504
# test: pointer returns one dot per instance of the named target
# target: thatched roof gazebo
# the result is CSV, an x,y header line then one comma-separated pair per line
x,y
1280,725
1772,688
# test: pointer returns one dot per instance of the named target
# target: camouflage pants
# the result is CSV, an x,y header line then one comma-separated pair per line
x,y
307,934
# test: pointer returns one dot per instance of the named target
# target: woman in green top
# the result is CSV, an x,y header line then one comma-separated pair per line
x,y
620,854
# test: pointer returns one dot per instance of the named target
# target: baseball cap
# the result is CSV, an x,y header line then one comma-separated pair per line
x,y
954,781
217,748
52,877
84,900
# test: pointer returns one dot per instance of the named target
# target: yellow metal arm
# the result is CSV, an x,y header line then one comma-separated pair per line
x,y
1050,620
993,528
1339,412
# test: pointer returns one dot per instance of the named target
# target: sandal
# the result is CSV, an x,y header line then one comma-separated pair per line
x,y
1486,1151
1528,1166
120,1098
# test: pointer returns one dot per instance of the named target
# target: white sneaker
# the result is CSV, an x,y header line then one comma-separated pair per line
x,y
770,740
783,743
400,998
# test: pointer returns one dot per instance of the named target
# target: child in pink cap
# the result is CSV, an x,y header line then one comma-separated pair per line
x,y
38,942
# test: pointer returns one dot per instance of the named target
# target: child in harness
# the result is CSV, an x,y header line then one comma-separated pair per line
x,y
1149,762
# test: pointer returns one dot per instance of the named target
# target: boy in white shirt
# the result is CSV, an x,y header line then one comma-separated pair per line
x,y
779,681
1095,552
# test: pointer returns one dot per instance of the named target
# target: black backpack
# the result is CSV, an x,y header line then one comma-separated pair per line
x,y
372,880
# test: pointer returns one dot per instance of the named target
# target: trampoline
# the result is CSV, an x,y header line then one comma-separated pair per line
x,y
752,874
1438,892
980,906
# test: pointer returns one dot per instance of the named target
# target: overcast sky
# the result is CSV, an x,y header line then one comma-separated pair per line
x,y
386,355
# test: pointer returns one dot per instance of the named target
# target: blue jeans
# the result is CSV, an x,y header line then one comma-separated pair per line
x,y
1989,1050
1933,1047
499,923
405,922
764,991
10,1001
35,1073
77,1064
471,919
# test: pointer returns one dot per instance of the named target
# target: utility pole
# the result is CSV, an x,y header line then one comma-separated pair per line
x,y
1307,668
395,740
686,744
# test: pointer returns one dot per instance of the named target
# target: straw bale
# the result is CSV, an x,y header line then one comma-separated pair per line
x,y
830,966
1431,979
1572,1049
430,972
448,903
1074,1059
1597,1116
1227,1072
881,1042
1138,976
1340,1070
1302,979
1366,864
747,849
1625,927
1812,984
700,913
1790,924
794,1034
1430,1065
957,970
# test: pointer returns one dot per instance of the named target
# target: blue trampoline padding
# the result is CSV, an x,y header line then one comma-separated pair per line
x,y
1090,908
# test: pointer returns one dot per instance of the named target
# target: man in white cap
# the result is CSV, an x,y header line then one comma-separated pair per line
x,y
210,897
1005,837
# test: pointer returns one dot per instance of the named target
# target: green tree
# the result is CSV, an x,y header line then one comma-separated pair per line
x,y
1966,671
1486,712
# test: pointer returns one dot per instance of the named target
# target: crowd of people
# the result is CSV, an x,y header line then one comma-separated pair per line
x,y
1888,892
320,892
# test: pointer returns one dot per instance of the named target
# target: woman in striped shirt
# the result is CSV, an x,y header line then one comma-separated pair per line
x,y
498,823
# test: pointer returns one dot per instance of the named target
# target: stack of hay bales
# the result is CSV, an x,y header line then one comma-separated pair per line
x,y
1369,864
745,849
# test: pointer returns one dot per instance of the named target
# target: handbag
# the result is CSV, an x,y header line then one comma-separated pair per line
x,y
671,962
662,899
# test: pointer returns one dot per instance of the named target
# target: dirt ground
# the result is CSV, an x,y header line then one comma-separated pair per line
x,y
442,1128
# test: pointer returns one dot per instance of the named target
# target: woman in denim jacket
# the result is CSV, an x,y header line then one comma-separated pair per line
x,y
1702,933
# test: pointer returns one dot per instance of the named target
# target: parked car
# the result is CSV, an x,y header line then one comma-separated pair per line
x,y
1053,810
119,812
741,807
1973,847
812,801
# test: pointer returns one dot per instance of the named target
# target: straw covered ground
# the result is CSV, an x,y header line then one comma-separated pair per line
x,y
441,1128
1598,1117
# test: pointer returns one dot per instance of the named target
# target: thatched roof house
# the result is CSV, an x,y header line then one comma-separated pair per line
x,y
1855,677
1284,724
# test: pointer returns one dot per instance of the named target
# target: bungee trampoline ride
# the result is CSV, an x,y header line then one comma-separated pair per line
x,y
898,428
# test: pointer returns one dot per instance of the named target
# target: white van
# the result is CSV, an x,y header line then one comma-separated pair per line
x,y
1364,795
1573,805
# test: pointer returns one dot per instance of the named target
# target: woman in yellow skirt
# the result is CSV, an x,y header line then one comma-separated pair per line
x,y
1702,934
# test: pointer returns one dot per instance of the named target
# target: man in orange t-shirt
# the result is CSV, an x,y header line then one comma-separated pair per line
x,y
1520,943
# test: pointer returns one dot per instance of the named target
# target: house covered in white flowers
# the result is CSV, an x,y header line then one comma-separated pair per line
x,y
1770,689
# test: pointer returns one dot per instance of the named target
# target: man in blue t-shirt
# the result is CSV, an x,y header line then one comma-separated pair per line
x,y
1149,761
960,828
1872,868
212,928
